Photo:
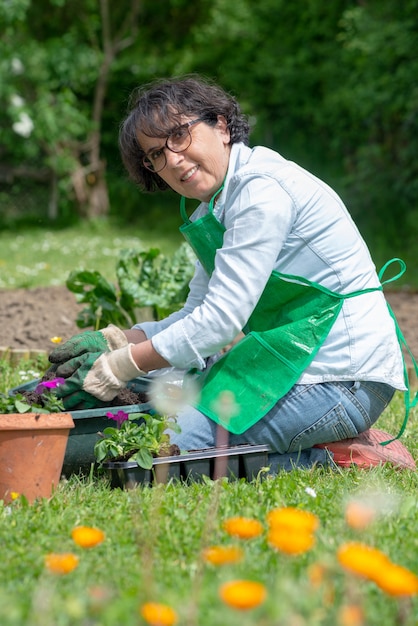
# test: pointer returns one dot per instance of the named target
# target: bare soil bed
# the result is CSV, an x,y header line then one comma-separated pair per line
x,y
29,318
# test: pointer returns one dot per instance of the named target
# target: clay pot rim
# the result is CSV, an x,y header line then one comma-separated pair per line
x,y
35,421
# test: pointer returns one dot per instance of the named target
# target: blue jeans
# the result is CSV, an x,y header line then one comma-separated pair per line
x,y
305,416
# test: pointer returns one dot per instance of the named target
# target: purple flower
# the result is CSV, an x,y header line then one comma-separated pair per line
x,y
119,417
49,384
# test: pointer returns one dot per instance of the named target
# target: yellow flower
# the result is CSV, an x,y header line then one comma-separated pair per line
x,y
293,519
362,560
222,555
14,495
61,563
396,580
359,515
351,615
290,542
56,339
243,527
243,594
87,537
157,614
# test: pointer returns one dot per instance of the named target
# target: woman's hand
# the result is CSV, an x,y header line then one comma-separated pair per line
x,y
96,375
230,345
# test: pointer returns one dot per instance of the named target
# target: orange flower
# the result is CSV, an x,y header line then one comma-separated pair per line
x,y
396,580
157,614
222,555
87,537
61,563
243,527
359,515
293,519
362,560
290,542
316,574
243,594
351,615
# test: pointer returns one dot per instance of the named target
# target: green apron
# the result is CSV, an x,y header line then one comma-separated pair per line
x,y
285,331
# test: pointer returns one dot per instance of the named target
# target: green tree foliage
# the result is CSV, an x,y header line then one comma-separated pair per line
x,y
331,85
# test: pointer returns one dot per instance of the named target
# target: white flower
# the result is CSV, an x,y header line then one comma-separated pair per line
x,y
311,492
24,126
17,101
17,66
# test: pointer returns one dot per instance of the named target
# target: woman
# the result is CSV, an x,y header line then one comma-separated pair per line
x,y
281,264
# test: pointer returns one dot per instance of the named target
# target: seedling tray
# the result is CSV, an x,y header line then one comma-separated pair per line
x,y
243,461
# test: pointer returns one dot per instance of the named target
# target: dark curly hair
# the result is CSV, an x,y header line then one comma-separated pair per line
x,y
155,108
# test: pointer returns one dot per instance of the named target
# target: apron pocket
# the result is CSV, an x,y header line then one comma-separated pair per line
x,y
250,372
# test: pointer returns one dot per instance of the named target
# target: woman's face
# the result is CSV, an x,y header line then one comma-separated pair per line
x,y
199,171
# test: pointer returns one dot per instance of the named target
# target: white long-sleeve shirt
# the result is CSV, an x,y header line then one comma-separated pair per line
x,y
280,217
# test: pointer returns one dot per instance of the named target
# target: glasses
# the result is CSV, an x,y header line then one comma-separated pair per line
x,y
177,141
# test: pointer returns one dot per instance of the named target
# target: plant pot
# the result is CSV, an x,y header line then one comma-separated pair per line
x,y
79,454
243,461
32,449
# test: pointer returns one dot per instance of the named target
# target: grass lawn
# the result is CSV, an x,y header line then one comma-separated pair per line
x,y
155,538
37,257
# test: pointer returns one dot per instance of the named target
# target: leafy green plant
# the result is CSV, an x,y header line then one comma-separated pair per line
x,y
138,437
144,279
19,403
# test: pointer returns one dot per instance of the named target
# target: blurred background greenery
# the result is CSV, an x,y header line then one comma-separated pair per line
x,y
331,85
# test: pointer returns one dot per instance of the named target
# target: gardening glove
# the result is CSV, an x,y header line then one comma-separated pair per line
x,y
105,340
96,375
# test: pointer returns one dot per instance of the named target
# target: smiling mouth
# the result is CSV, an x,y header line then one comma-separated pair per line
x,y
189,174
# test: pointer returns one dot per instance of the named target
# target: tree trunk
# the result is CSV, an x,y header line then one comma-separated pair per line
x,y
93,191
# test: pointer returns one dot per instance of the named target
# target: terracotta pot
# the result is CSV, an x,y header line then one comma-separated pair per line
x,y
32,449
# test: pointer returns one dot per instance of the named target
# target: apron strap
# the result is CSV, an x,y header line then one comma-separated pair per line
x,y
339,296
183,211
409,403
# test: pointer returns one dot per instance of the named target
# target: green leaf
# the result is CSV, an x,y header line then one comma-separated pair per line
x,y
22,407
144,458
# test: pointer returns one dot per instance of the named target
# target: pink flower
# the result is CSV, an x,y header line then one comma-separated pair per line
x,y
49,384
119,417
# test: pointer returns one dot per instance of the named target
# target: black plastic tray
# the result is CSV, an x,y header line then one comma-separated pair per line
x,y
243,461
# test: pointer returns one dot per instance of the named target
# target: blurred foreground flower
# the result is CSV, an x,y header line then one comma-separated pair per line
x,y
243,527
362,560
316,574
61,563
222,555
243,594
351,615
397,581
291,530
225,406
157,614
292,542
87,537
359,515
171,392
292,518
